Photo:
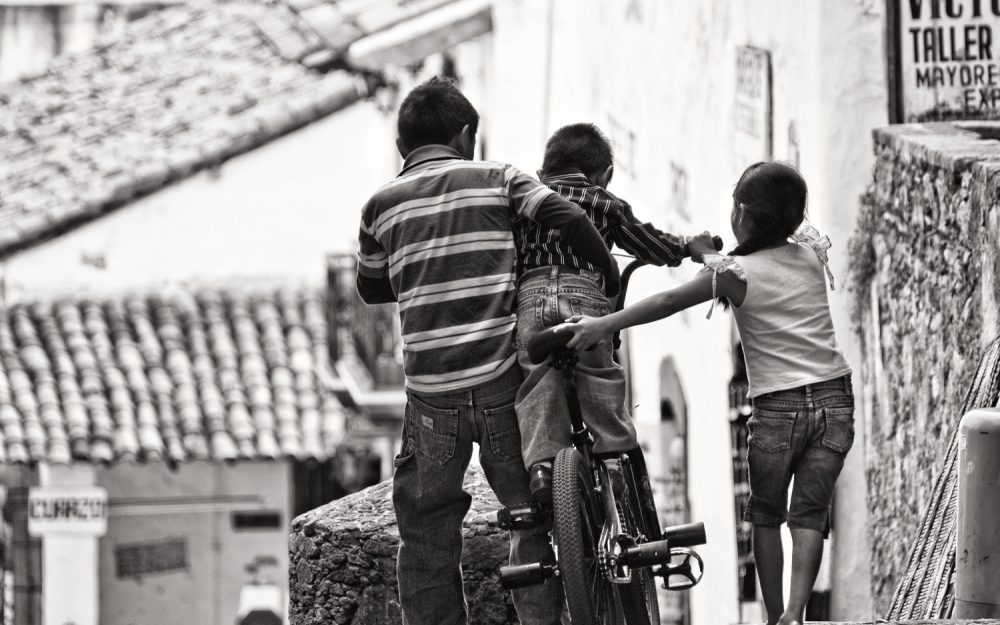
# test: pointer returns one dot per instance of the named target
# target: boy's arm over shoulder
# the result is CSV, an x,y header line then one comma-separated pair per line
x,y
533,200
643,240
373,265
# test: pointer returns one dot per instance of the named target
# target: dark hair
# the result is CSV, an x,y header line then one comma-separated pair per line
x,y
434,112
772,196
577,146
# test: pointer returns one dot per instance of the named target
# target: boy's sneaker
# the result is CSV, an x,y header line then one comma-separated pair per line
x,y
541,482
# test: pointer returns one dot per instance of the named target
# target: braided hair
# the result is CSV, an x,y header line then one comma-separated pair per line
x,y
772,197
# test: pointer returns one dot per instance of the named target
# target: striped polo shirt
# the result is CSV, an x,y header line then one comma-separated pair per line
x,y
439,236
539,246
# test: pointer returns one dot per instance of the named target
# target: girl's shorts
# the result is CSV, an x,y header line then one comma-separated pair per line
x,y
803,432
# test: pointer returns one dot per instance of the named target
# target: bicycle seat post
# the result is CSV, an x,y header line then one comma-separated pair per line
x,y
564,360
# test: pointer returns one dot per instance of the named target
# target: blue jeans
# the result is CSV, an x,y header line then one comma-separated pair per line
x,y
547,296
803,432
430,502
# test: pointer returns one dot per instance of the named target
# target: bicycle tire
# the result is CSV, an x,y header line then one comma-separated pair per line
x,y
591,598
640,605
638,598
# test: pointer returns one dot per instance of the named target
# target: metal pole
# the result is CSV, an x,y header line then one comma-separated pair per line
x,y
977,553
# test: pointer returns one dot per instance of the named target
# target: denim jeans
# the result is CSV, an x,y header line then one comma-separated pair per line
x,y
430,502
803,432
547,297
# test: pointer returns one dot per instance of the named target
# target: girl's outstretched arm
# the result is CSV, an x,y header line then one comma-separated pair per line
x,y
589,331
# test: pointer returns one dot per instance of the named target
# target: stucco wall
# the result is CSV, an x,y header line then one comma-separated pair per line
x,y
926,305
660,79
150,504
274,212
31,36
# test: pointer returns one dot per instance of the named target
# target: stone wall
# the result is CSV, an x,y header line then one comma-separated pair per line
x,y
924,264
342,566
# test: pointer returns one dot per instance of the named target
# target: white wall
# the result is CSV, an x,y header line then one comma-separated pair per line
x,y
660,79
151,503
271,213
31,36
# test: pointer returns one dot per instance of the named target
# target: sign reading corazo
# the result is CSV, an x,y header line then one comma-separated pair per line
x,y
67,510
946,60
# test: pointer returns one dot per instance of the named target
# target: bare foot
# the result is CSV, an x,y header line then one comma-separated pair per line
x,y
788,620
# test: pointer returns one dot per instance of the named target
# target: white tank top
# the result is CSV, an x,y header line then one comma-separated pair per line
x,y
784,321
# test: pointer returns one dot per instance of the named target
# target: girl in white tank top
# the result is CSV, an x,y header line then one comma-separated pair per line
x,y
775,280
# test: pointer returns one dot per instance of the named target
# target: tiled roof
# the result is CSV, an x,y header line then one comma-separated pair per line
x,y
212,374
185,88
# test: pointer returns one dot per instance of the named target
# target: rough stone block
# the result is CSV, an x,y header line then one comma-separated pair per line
x,y
342,560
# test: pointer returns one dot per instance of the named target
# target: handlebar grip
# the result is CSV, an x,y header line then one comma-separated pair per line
x,y
685,535
717,240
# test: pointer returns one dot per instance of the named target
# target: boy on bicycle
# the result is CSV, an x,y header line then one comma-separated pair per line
x,y
438,241
555,282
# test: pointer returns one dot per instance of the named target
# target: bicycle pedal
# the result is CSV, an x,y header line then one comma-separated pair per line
x,y
528,516
522,575
647,554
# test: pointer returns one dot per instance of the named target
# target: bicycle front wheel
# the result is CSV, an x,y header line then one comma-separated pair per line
x,y
639,601
578,518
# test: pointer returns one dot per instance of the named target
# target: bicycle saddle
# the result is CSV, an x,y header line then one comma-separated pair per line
x,y
546,342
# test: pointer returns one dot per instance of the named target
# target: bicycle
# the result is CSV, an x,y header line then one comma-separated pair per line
x,y
608,550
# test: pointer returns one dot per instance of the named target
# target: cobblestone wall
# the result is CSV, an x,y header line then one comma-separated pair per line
x,y
924,260
342,561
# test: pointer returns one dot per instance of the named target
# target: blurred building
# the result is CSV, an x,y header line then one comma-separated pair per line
x,y
182,368
690,94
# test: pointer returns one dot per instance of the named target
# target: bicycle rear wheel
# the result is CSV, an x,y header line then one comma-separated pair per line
x,y
578,518
638,598
638,516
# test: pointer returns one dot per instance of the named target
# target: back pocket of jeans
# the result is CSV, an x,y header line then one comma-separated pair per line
x,y
839,434
590,306
505,437
771,430
432,431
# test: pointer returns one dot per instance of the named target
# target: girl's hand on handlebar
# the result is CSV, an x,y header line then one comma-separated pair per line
x,y
587,331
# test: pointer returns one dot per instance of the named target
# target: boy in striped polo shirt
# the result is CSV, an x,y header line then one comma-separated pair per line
x,y
556,282
438,240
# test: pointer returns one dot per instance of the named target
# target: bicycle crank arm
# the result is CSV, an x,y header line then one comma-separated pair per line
x,y
523,575
609,547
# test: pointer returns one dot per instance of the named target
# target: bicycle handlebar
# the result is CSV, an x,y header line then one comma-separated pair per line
x,y
635,264
685,535
623,289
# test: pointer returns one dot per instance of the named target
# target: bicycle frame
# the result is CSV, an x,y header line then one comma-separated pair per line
x,y
618,551
610,548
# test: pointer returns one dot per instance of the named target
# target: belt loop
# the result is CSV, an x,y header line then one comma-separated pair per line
x,y
553,271
809,395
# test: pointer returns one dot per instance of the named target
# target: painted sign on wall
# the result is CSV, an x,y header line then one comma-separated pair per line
x,y
68,510
140,559
752,107
945,59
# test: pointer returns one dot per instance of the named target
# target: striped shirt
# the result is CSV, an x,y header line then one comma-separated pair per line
x,y
538,246
438,241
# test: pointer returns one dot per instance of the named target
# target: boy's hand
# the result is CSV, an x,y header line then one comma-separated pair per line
x,y
587,331
702,245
